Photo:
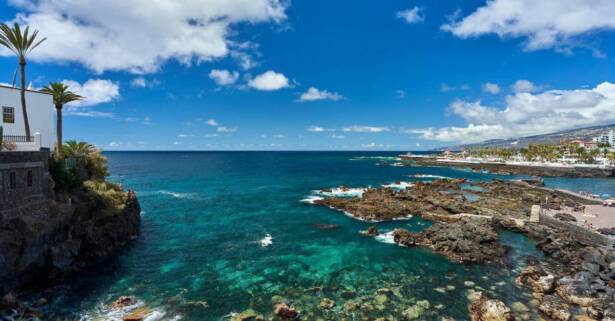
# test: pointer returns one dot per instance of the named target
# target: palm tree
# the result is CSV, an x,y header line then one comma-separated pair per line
x,y
21,44
61,95
73,148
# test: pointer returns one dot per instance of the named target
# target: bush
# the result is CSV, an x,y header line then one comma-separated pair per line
x,y
110,197
66,180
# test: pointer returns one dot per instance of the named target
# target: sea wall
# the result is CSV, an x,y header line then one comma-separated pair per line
x,y
500,168
581,234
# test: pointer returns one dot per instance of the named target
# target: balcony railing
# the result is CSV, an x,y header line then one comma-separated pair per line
x,y
17,139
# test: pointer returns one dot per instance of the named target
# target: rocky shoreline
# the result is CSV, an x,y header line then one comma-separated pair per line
x,y
507,169
65,236
576,282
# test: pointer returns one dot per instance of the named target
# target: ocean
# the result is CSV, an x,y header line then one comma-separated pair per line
x,y
226,231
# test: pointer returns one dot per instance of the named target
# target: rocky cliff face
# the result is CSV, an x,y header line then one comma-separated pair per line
x,y
62,236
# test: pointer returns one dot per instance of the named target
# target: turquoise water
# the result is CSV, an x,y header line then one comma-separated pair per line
x,y
206,215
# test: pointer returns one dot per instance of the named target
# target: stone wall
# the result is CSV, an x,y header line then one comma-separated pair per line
x,y
24,183
579,233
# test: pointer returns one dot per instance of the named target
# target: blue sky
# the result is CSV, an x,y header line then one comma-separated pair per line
x,y
320,75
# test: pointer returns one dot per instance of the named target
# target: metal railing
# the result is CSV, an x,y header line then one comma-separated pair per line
x,y
70,163
18,139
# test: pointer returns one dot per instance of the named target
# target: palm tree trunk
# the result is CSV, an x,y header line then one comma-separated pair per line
x,y
59,131
26,122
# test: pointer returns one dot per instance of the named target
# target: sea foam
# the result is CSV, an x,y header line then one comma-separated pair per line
x,y
343,192
385,238
266,241
398,185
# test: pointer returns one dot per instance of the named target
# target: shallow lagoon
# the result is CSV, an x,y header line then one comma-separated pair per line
x,y
205,215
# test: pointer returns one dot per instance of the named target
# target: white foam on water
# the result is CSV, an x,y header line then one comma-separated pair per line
x,y
266,241
311,199
385,238
429,176
397,164
104,312
398,185
343,192
404,218
176,194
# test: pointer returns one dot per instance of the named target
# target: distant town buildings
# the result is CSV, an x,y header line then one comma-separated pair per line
x,y
608,138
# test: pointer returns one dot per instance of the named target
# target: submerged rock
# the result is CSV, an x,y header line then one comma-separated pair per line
x,y
285,312
247,315
485,309
326,304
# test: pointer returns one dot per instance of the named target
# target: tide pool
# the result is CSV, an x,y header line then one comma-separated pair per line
x,y
230,229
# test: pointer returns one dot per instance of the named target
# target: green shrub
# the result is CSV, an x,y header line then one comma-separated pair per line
x,y
110,197
66,180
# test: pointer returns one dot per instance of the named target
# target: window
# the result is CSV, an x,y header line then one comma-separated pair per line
x,y
12,180
29,178
8,115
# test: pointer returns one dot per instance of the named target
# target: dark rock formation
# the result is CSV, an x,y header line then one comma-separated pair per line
x,y
469,240
63,237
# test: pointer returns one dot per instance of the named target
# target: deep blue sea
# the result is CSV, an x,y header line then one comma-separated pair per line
x,y
204,238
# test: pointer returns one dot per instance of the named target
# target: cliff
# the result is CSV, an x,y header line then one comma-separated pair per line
x,y
44,235
63,237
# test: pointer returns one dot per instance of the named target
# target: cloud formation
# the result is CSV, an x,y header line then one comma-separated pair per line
x,y
411,16
544,24
94,91
223,77
313,94
491,88
365,129
141,35
529,114
269,81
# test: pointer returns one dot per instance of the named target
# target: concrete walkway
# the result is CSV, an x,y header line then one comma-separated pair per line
x,y
595,216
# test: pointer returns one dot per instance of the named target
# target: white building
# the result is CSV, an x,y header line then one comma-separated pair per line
x,y
40,114
606,138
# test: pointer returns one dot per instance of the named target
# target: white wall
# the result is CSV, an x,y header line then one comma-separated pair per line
x,y
40,114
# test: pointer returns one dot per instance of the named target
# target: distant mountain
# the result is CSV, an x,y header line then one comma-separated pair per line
x,y
583,134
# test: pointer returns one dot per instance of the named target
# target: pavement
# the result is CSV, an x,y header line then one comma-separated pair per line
x,y
596,216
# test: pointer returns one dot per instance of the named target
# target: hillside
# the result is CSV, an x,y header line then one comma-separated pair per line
x,y
584,134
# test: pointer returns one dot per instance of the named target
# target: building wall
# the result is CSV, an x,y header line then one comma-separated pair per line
x,y
40,114
22,198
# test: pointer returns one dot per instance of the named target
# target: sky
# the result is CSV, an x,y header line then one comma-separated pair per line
x,y
320,75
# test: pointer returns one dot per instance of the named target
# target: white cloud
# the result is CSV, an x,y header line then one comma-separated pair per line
x,y
140,35
491,88
89,113
269,81
212,122
185,135
524,86
411,16
211,135
338,136
279,136
544,23
314,93
365,129
142,82
223,77
316,129
95,91
224,129
445,88
529,114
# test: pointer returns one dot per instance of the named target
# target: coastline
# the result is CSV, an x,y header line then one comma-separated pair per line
x,y
525,168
